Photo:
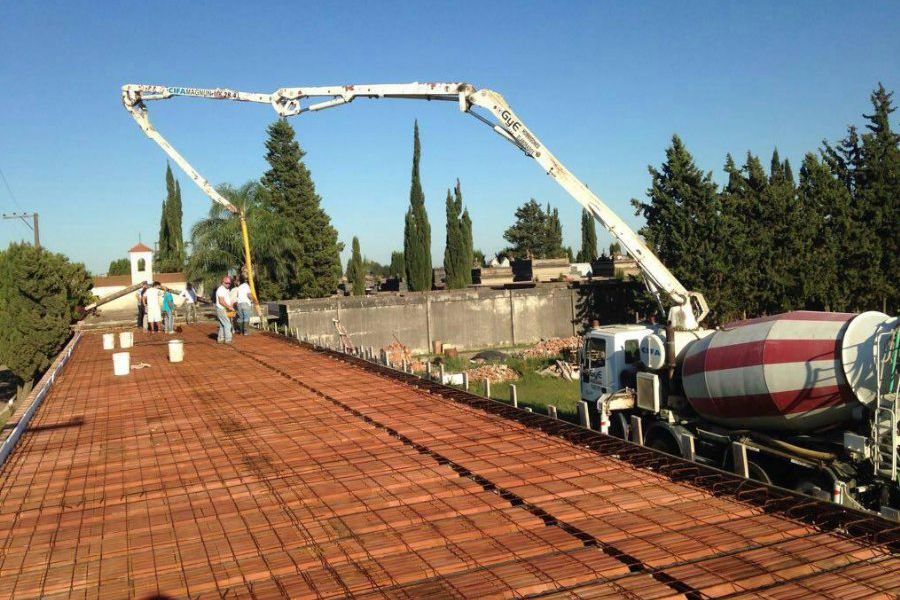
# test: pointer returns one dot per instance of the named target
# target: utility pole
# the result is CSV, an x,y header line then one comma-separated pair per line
x,y
33,225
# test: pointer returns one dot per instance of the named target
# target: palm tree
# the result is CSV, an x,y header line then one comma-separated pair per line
x,y
217,247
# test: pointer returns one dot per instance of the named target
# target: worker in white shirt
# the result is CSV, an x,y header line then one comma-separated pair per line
x,y
190,303
224,310
245,300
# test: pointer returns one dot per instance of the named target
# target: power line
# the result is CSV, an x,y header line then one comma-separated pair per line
x,y
9,189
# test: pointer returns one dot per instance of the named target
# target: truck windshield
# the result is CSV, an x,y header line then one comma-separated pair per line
x,y
595,352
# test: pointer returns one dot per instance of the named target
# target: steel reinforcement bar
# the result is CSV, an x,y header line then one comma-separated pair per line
x,y
826,516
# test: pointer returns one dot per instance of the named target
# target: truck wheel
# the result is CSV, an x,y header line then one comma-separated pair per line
x,y
757,473
618,426
664,443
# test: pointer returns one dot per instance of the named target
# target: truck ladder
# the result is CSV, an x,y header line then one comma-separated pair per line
x,y
887,406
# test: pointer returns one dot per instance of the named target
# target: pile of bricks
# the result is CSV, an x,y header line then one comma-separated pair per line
x,y
397,353
554,347
495,373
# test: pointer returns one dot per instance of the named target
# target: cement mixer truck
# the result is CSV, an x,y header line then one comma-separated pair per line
x,y
803,400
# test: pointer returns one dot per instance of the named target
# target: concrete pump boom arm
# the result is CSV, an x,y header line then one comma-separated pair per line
x,y
688,309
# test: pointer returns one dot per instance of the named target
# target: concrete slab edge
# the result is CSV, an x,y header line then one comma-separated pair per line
x,y
36,397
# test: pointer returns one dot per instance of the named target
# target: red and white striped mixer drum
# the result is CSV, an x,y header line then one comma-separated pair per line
x,y
797,371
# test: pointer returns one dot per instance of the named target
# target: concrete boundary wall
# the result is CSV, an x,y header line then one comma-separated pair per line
x,y
470,318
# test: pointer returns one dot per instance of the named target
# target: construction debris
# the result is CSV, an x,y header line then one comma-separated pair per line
x,y
397,353
495,373
562,369
554,347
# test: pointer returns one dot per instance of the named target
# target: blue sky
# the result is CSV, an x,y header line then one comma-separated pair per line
x,y
604,85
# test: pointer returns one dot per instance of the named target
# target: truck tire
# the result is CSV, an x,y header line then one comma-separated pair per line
x,y
664,443
757,473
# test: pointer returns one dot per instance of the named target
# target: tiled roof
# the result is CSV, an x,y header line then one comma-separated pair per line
x,y
140,247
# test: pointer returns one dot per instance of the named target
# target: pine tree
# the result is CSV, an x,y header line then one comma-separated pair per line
x,y
291,194
879,199
356,274
588,250
683,224
615,249
825,204
869,168
417,231
528,234
786,254
739,253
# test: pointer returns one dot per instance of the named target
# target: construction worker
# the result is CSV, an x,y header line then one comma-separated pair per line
x,y
153,306
168,309
224,310
140,305
245,300
190,303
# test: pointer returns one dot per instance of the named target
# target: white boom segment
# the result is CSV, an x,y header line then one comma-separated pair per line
x,y
688,308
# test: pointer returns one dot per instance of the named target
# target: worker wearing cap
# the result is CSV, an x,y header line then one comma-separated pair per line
x,y
223,308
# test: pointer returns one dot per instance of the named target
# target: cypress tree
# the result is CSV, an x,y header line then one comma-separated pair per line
x,y
356,274
468,246
175,229
417,231
167,248
162,246
398,264
555,247
588,250
290,193
453,247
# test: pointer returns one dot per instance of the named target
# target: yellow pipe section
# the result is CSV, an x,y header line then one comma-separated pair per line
x,y
246,238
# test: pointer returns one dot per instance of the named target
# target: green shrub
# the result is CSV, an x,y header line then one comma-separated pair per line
x,y
39,294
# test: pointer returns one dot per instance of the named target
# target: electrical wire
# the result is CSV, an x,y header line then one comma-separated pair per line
x,y
9,189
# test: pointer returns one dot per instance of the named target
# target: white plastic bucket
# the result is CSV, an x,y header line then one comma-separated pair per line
x,y
121,363
176,351
126,339
109,341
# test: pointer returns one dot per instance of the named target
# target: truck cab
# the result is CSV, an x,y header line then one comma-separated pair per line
x,y
609,360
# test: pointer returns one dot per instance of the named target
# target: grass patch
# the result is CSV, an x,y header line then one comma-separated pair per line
x,y
533,390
